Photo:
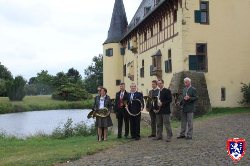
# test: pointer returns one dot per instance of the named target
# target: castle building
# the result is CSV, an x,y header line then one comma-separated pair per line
x,y
207,40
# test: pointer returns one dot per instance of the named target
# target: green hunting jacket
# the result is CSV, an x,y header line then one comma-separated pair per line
x,y
189,105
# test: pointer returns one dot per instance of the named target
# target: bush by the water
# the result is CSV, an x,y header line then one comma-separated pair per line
x,y
69,130
245,89
71,92
15,89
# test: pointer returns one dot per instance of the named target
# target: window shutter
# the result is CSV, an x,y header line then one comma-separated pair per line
x,y
193,62
197,16
122,50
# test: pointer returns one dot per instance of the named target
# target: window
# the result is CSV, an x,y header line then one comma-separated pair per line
x,y
118,82
202,15
142,72
136,20
128,45
160,25
204,12
109,52
122,51
146,10
199,62
142,69
175,15
168,63
151,70
124,70
156,2
223,94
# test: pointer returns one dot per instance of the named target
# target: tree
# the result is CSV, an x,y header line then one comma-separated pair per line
x,y
41,84
5,74
60,79
15,89
70,92
73,75
94,74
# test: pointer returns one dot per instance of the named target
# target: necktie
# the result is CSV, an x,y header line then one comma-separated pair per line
x,y
132,96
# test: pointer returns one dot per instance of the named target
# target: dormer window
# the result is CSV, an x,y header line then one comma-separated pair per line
x,y
156,2
146,10
136,20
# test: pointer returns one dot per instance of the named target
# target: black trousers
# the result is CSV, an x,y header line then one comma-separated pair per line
x,y
135,126
122,115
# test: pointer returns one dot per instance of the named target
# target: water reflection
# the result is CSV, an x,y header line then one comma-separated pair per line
x,y
30,123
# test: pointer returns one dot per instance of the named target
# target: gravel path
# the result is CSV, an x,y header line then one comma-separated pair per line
x,y
208,146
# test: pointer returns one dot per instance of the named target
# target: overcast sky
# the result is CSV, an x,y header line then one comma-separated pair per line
x,y
54,35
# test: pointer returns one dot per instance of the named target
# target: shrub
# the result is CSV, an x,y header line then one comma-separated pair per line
x,y
15,89
245,89
68,130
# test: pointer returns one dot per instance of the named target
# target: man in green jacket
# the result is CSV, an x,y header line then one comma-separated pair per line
x,y
189,96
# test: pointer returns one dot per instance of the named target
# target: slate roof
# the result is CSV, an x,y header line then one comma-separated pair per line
x,y
140,13
118,24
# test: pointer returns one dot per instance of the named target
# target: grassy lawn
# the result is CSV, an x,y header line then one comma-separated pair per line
x,y
32,103
48,151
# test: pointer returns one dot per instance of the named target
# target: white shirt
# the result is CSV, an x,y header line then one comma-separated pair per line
x,y
101,105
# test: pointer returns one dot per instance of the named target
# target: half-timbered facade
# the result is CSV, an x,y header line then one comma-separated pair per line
x,y
169,38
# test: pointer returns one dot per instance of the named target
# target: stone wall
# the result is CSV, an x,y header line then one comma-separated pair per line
x,y
199,82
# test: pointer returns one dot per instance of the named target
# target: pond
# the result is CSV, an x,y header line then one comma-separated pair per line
x,y
31,123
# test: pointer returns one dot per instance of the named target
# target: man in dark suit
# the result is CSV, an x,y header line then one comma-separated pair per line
x,y
152,93
189,96
135,109
120,110
163,116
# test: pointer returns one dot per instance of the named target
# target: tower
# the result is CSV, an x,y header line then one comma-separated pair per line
x,y
113,51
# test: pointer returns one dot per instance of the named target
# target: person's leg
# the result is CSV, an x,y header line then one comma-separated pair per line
x,y
120,122
159,126
183,123
190,124
153,123
99,133
167,124
126,122
138,125
132,126
105,133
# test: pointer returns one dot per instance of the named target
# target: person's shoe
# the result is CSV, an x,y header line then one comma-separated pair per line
x,y
168,140
188,138
137,138
181,137
152,135
157,138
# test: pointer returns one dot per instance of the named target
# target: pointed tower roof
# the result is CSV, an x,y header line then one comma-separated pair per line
x,y
118,24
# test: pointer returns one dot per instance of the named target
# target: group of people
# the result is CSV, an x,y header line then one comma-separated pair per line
x,y
128,107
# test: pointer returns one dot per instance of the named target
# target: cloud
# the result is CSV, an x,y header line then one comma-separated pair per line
x,y
54,35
